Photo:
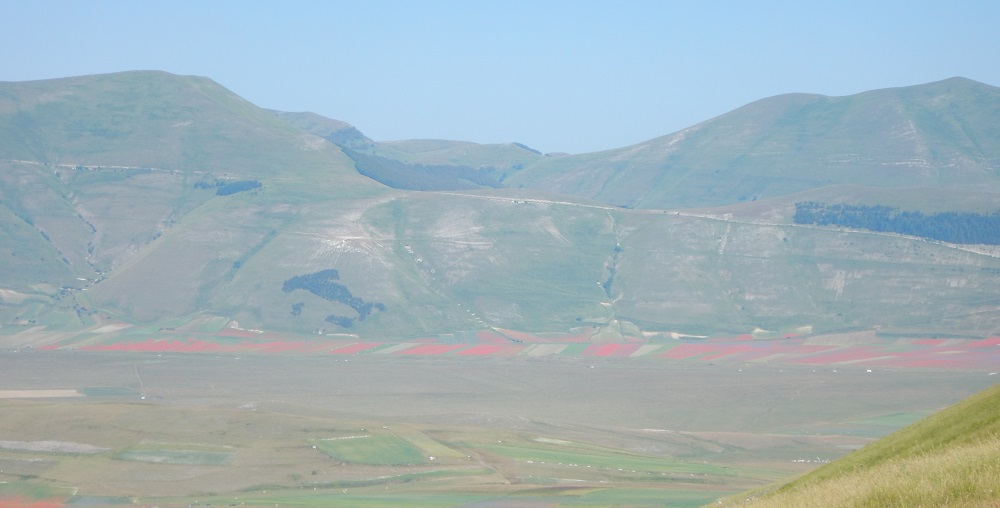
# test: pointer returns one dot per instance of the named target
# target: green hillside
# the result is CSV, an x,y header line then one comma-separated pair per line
x,y
154,120
419,164
508,156
938,136
337,132
168,201
948,459
95,169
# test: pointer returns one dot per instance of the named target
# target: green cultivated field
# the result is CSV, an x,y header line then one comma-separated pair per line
x,y
386,450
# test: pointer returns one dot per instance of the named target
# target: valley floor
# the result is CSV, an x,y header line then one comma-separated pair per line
x,y
172,429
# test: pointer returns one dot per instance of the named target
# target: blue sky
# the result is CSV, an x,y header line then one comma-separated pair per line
x,y
560,76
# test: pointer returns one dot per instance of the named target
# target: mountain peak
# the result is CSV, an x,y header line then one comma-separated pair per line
x,y
929,135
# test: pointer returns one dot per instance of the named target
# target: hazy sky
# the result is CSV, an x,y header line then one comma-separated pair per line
x,y
569,76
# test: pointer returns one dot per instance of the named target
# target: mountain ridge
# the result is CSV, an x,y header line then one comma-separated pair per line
x,y
750,153
194,205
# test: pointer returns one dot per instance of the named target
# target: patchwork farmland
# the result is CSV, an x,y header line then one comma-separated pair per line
x,y
177,418
873,351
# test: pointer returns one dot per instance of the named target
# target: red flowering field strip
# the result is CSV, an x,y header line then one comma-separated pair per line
x,y
624,350
490,337
481,349
600,350
990,342
683,351
430,349
903,353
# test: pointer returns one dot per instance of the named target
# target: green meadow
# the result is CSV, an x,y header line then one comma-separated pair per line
x,y
383,449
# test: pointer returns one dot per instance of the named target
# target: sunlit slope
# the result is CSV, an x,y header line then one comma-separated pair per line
x,y
144,227
335,131
941,135
427,263
506,156
95,168
947,459
434,263
702,274
157,120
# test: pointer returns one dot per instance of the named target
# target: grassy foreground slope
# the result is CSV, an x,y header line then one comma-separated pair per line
x,y
161,121
951,458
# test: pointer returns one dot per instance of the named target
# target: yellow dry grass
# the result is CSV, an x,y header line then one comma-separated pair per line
x,y
962,476
951,458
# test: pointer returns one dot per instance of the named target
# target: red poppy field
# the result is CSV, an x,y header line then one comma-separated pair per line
x,y
874,352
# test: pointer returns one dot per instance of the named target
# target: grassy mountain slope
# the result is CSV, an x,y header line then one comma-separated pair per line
x,y
136,228
433,262
940,135
507,156
691,271
101,166
441,263
948,459
335,131
419,164
155,120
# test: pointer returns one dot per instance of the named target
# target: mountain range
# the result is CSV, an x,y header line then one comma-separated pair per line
x,y
168,202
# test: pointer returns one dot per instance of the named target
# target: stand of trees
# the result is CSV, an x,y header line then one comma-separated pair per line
x,y
323,284
952,227
226,188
